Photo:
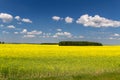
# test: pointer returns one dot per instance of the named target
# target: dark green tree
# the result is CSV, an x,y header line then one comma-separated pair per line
x,y
79,43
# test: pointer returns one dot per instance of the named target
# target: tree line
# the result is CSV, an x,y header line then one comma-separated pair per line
x,y
79,43
2,42
49,43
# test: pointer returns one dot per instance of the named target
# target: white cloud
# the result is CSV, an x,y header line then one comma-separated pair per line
x,y
15,32
26,20
97,21
56,18
29,36
24,31
117,35
62,34
18,18
81,36
34,32
11,26
68,20
6,17
46,35
59,30
111,38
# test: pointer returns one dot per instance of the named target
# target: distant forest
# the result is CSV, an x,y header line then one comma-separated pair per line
x,y
65,43
2,42
79,43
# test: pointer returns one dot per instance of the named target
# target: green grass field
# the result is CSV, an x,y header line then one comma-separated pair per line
x,y
52,62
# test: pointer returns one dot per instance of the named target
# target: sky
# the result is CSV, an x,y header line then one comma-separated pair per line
x,y
51,21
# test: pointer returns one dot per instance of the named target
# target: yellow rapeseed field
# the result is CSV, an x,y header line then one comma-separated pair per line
x,y
25,50
53,62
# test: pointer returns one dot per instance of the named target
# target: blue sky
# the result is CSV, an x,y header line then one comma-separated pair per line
x,y
38,21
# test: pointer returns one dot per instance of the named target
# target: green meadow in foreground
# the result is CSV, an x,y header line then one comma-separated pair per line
x,y
53,62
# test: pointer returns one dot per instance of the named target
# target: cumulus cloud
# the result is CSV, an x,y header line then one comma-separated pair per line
x,y
116,35
24,31
11,26
111,38
34,32
56,18
46,35
29,36
6,17
62,34
18,18
68,20
81,36
15,32
59,30
26,20
97,21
